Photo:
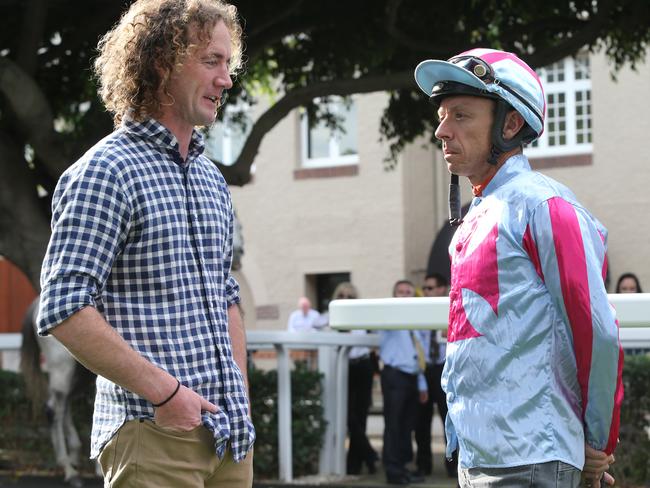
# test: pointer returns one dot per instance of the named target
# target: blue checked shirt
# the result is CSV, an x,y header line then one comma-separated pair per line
x,y
146,239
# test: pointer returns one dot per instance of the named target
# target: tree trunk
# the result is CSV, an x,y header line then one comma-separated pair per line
x,y
24,227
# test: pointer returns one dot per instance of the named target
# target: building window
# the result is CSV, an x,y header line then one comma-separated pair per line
x,y
322,286
225,139
325,146
567,84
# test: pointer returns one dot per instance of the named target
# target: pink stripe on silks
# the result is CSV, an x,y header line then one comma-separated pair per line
x,y
499,56
572,267
531,249
612,441
476,270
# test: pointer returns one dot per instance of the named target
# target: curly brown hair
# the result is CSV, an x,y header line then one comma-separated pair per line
x,y
152,39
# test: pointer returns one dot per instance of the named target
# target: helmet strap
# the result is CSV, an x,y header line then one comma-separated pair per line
x,y
499,144
455,211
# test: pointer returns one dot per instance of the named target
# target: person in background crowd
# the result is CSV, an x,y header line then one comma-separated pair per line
x,y
361,371
628,283
435,285
305,318
403,386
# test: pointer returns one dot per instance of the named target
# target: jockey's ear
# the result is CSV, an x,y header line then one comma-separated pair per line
x,y
512,125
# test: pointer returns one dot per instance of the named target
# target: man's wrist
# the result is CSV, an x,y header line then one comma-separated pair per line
x,y
159,385
173,394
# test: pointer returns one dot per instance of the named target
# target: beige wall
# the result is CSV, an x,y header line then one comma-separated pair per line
x,y
379,225
355,224
418,200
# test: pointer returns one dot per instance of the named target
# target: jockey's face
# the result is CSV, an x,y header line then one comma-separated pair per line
x,y
465,125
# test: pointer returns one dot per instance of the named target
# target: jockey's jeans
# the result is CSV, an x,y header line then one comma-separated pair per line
x,y
143,455
554,474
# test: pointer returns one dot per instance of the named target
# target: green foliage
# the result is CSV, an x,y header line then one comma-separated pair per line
x,y
296,50
295,44
308,425
632,467
407,116
26,441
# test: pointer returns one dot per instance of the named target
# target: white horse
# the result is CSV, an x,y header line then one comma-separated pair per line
x,y
64,372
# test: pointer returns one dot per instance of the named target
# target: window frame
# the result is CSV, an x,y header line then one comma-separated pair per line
x,y
569,87
334,158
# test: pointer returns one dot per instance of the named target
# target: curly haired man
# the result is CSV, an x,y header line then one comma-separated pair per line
x,y
136,281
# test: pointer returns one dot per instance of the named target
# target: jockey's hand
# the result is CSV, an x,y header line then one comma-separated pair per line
x,y
596,465
183,412
608,479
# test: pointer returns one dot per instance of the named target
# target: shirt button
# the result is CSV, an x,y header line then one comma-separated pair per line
x,y
450,397
459,246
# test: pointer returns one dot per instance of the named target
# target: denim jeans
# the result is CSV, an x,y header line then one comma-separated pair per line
x,y
554,474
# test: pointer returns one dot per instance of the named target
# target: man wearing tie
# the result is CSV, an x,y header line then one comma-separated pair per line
x,y
403,386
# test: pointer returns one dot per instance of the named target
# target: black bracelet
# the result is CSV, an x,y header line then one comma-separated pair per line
x,y
178,387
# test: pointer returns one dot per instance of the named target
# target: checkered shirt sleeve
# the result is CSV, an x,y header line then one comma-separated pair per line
x,y
147,241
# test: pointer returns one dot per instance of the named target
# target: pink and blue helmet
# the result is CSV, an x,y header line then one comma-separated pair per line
x,y
488,73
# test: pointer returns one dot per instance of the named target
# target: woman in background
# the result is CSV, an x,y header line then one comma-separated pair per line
x,y
628,283
360,377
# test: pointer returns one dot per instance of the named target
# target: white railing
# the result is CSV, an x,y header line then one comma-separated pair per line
x,y
633,313
10,341
333,349
632,310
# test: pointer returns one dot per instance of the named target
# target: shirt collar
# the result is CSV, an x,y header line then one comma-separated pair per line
x,y
477,190
512,167
159,135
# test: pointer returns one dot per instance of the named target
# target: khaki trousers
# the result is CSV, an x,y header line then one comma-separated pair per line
x,y
143,455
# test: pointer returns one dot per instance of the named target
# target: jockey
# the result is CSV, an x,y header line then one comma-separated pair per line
x,y
528,398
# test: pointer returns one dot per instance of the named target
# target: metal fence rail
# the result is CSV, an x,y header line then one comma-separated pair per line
x,y
632,310
633,313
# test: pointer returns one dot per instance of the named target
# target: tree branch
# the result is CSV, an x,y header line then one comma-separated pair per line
x,y
239,173
260,27
259,41
24,228
585,36
435,49
34,115
31,35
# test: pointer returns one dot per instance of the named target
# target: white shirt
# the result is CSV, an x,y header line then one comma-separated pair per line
x,y
359,351
299,322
